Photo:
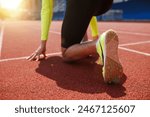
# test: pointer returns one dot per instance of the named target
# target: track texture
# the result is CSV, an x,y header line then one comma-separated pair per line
x,y
53,79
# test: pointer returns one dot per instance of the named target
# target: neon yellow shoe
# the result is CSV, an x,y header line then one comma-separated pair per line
x,y
107,48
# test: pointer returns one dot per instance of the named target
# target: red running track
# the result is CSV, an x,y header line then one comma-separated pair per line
x,y
54,79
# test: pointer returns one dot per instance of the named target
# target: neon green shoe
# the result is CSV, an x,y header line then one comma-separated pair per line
x,y
107,48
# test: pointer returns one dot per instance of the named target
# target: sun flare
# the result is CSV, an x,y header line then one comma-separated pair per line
x,y
10,4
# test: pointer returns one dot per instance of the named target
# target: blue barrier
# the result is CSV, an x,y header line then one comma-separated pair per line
x,y
127,10
134,9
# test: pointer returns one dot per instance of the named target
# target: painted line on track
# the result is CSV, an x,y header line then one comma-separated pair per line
x,y
25,57
123,32
1,37
127,44
136,43
134,51
55,32
59,53
134,33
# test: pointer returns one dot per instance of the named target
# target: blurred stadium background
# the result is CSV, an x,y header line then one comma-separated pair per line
x,y
122,10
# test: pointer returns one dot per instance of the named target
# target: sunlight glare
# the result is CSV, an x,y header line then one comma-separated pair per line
x,y
10,4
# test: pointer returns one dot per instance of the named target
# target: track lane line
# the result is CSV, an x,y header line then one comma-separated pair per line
x,y
123,32
134,33
55,32
136,43
127,44
23,58
134,51
59,53
1,37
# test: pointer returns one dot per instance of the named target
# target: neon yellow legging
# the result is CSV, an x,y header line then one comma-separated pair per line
x,y
94,27
46,19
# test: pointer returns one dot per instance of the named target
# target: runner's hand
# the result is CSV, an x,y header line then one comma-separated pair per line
x,y
37,55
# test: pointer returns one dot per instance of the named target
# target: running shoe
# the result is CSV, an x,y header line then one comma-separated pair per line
x,y
107,48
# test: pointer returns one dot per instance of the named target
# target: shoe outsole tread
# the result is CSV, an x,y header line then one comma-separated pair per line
x,y
112,69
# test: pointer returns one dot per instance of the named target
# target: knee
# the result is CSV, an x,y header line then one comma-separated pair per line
x,y
66,56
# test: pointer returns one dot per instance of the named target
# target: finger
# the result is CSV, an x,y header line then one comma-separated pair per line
x,y
30,56
33,57
37,57
44,55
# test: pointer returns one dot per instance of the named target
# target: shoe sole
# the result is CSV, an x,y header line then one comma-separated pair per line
x,y
112,66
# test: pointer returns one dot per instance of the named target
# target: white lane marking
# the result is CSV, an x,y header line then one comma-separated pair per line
x,y
134,51
134,33
124,32
126,49
21,58
1,38
55,32
59,53
136,43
